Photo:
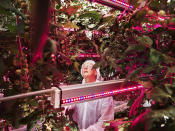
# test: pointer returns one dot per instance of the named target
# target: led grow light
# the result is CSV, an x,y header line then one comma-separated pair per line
x,y
99,95
121,5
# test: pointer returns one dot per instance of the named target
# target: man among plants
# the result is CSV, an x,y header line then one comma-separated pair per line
x,y
90,116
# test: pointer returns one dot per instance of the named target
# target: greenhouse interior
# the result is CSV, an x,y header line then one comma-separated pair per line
x,y
87,65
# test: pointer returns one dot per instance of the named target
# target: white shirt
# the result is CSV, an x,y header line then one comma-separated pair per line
x,y
91,115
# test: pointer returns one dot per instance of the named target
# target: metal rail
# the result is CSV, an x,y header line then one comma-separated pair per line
x,y
55,94
26,95
66,95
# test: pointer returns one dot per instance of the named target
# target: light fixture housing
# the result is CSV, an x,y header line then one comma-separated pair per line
x,y
116,4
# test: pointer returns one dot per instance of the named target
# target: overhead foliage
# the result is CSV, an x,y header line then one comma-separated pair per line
x,y
137,45
54,64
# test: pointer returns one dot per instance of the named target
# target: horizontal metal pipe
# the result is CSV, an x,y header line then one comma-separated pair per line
x,y
26,95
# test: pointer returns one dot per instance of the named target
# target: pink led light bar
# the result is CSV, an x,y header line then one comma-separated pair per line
x,y
115,4
67,29
99,95
122,3
84,55
89,55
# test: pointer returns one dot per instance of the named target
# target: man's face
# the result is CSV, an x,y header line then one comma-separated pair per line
x,y
87,70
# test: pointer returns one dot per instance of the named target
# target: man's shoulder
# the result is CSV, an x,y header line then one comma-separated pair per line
x,y
107,99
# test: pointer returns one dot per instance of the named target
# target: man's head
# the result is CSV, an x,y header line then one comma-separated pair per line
x,y
87,70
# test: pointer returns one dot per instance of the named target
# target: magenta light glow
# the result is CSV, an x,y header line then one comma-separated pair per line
x,y
99,95
114,3
67,29
89,55
85,55
122,3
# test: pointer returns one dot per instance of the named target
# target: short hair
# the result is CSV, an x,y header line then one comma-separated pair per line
x,y
97,69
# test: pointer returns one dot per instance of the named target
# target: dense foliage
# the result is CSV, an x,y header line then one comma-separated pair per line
x,y
137,45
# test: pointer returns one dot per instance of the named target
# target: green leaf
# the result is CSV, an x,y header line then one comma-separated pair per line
x,y
11,27
95,45
134,74
154,5
155,56
159,95
73,57
148,69
80,51
37,127
170,85
98,64
155,118
34,103
144,40
140,15
135,48
20,27
92,14
171,69
101,47
2,11
168,59
108,20
58,4
30,125
69,24
76,66
168,90
5,4
106,52
135,3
